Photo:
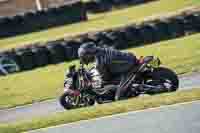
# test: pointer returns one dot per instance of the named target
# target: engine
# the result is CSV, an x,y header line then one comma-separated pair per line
x,y
95,78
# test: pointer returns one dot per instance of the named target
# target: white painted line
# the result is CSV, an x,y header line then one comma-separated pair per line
x,y
120,114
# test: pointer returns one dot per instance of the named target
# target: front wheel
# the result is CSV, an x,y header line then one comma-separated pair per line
x,y
69,101
163,78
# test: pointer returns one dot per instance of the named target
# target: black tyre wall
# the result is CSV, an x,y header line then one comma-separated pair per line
x,y
74,45
175,27
11,54
123,37
118,39
68,52
162,31
132,35
26,58
96,6
101,39
56,52
147,33
192,23
40,54
40,20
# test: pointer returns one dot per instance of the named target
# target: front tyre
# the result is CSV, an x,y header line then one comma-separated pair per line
x,y
163,78
69,101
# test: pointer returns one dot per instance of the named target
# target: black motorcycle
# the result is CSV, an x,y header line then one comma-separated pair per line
x,y
147,77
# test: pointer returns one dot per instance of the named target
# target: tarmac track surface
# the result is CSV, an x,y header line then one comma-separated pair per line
x,y
52,106
179,118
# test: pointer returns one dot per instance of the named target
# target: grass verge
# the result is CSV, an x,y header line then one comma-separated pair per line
x,y
100,22
102,110
181,55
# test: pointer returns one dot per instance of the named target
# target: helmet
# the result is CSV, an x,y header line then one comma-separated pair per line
x,y
87,52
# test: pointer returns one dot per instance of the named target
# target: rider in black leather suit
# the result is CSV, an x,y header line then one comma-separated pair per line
x,y
109,62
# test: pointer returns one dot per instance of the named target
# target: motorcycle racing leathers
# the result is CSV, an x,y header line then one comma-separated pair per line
x,y
111,63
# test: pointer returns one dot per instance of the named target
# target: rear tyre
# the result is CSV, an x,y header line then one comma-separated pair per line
x,y
165,78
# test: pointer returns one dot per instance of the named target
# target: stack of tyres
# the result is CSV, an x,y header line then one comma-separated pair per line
x,y
87,39
162,32
175,27
192,23
99,6
118,2
51,16
40,54
132,35
68,51
2,27
63,14
40,23
74,45
11,55
118,39
127,2
105,5
102,39
43,19
56,52
91,6
147,32
19,22
26,59
5,27
92,38
137,38
30,23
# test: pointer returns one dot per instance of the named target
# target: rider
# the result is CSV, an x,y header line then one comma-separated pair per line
x,y
109,62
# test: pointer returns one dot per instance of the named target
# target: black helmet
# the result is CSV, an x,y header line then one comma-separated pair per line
x,y
87,52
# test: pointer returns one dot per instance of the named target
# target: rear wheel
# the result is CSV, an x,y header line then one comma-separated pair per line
x,y
163,78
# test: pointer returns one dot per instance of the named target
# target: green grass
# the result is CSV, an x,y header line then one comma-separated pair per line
x,y
100,22
181,55
102,110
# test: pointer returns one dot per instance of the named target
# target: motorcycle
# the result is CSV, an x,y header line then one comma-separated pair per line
x,y
147,77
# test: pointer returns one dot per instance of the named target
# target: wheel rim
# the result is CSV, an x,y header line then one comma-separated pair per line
x,y
73,100
165,83
168,85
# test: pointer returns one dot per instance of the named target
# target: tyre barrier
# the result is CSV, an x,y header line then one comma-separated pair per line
x,y
25,58
98,6
161,28
117,39
74,45
7,64
132,34
129,36
40,55
147,32
56,52
40,20
68,52
192,22
175,28
102,38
